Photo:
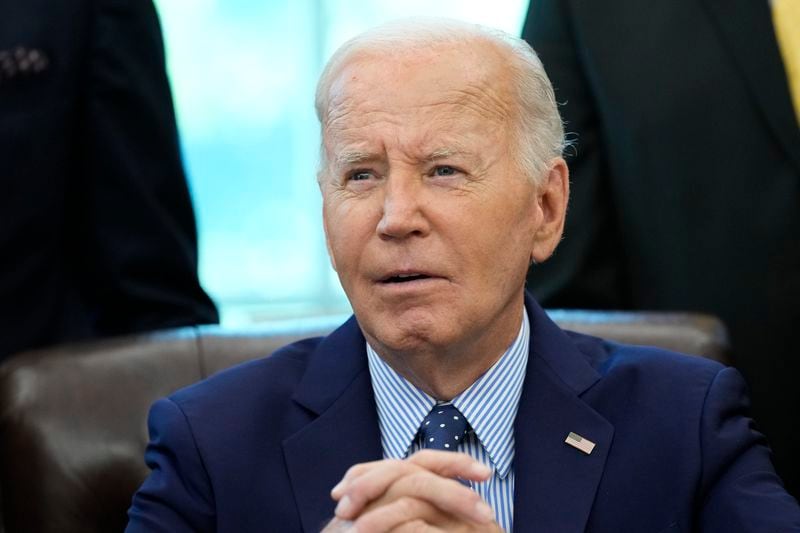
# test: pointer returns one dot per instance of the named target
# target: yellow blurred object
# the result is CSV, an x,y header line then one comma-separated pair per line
x,y
786,18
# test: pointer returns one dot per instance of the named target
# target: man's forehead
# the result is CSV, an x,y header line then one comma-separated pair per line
x,y
427,132
418,77
471,57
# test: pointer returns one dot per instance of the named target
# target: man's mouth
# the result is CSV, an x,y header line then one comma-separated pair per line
x,y
404,277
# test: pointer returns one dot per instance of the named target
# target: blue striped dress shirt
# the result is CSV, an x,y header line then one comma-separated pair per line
x,y
489,405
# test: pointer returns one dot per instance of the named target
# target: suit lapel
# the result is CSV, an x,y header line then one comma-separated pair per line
x,y
336,387
556,483
745,26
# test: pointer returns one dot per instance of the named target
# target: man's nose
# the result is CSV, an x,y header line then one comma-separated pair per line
x,y
403,208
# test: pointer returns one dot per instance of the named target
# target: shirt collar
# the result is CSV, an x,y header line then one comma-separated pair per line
x,y
489,405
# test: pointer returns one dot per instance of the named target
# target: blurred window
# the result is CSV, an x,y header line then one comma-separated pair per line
x,y
243,74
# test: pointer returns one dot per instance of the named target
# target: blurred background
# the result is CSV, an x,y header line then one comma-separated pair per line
x,y
243,74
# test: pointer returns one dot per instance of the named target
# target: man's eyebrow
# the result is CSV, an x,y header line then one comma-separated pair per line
x,y
444,153
351,157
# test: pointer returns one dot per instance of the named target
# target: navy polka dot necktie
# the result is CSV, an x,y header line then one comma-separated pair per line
x,y
444,428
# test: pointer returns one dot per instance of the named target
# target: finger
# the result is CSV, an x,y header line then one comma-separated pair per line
x,y
444,494
338,526
369,481
352,473
417,526
370,484
451,464
401,512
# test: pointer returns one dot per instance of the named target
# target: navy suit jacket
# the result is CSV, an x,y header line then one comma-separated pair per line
x,y
258,447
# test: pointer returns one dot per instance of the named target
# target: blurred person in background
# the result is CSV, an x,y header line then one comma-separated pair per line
x,y
98,234
685,176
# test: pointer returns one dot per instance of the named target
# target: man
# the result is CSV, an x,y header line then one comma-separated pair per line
x,y
442,180
98,234
685,176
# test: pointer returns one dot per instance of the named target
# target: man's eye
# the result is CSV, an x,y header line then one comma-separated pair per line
x,y
445,170
360,175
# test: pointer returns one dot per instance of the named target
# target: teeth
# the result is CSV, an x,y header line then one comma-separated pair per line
x,y
407,275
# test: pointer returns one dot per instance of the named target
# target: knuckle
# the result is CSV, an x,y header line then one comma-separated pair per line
x,y
354,471
360,489
407,505
418,482
422,455
390,516
377,479
396,464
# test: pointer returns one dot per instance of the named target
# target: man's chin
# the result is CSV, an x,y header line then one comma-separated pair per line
x,y
409,331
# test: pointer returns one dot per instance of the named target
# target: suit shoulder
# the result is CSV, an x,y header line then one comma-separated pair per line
x,y
636,382
609,357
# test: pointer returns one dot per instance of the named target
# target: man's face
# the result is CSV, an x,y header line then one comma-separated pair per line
x,y
428,220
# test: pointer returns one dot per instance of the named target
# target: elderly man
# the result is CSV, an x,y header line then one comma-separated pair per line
x,y
442,181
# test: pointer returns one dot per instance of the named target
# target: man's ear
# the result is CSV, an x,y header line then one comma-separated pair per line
x,y
551,198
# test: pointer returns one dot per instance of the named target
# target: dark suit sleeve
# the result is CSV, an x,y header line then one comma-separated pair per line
x,y
177,496
587,266
740,490
141,250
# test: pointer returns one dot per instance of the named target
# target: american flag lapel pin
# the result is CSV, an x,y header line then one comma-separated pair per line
x,y
581,443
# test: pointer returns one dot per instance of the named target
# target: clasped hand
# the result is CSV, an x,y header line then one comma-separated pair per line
x,y
417,494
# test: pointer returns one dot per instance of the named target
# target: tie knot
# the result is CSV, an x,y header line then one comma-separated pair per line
x,y
444,428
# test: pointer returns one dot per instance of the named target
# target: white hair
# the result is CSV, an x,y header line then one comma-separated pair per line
x,y
539,130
